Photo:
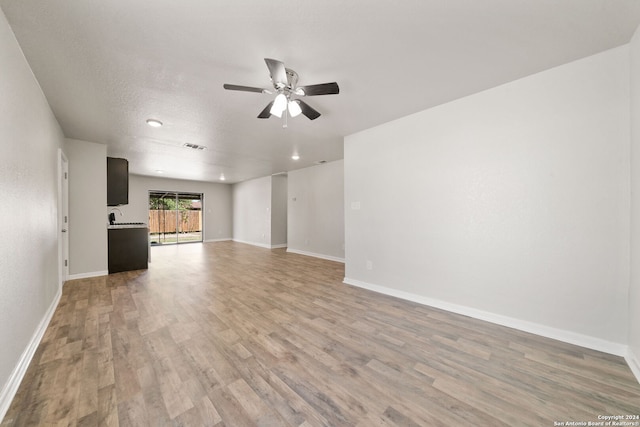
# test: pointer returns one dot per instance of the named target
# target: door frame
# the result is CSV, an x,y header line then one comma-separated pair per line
x,y
63,218
176,195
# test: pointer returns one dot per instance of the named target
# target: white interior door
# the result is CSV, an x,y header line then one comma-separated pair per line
x,y
63,217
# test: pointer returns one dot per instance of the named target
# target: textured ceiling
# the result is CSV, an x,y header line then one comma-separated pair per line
x,y
107,66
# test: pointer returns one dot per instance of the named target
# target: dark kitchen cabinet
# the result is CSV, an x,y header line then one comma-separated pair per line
x,y
128,249
117,181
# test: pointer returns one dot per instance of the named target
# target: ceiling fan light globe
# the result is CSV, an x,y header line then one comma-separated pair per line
x,y
294,109
279,105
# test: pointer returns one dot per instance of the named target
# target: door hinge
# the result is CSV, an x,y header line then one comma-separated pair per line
x,y
65,219
65,175
66,263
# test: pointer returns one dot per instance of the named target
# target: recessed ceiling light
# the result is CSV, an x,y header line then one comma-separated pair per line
x,y
295,157
159,171
222,178
154,123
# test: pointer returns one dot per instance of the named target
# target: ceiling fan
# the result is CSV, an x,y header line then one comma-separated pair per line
x,y
285,84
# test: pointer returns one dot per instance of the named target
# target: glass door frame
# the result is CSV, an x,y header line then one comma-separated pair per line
x,y
185,226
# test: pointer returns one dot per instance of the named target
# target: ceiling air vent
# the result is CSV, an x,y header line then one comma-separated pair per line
x,y
194,146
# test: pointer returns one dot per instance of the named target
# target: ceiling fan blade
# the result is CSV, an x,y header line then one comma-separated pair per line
x,y
278,72
321,89
307,110
244,88
265,114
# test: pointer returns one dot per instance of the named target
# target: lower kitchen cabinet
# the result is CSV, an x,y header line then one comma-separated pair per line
x,y
128,249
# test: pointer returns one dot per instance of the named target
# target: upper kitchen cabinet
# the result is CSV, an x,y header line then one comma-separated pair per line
x,y
117,181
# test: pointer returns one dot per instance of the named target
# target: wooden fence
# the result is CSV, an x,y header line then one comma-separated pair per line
x,y
164,221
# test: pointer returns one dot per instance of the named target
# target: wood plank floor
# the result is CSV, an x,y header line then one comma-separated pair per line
x,y
227,334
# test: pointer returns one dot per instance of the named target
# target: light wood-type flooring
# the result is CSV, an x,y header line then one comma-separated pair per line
x,y
227,334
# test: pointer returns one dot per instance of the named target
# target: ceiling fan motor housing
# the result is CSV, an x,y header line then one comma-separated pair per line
x,y
292,78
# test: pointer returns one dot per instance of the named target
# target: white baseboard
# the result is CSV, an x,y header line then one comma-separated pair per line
x,y
227,239
634,363
260,245
315,255
11,386
522,325
88,275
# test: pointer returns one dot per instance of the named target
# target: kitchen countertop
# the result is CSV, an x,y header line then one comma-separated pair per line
x,y
119,225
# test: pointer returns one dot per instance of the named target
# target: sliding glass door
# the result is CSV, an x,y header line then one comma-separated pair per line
x,y
175,217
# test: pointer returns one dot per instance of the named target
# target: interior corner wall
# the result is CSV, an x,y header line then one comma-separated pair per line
x,y
87,200
217,203
31,138
510,205
634,287
252,212
279,210
316,211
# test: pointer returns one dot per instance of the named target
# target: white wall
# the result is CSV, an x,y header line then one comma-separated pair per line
x,y
510,205
217,203
260,212
634,291
279,210
252,212
87,199
30,138
316,211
